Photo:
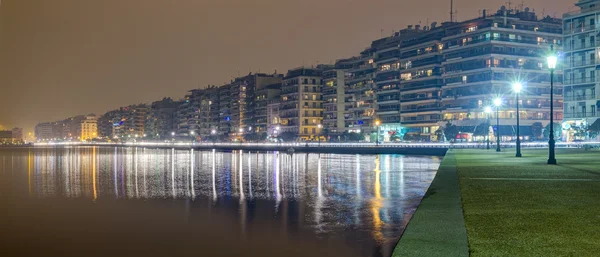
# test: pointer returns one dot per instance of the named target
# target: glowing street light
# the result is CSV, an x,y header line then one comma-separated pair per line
x,y
173,133
552,60
319,134
498,103
213,132
517,87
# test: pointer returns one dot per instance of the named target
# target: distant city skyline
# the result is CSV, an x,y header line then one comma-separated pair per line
x,y
66,57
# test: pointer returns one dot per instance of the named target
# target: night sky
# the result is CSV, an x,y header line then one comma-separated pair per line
x,y
61,58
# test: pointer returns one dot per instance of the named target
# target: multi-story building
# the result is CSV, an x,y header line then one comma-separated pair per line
x,y
44,131
301,109
244,92
581,58
160,121
17,134
188,114
273,118
484,57
209,112
123,123
224,128
260,116
334,104
89,128
6,137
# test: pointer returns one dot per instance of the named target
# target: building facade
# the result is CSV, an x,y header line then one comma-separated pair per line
x,y
301,109
160,121
581,58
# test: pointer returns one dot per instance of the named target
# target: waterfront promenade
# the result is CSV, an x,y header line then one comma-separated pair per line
x,y
512,206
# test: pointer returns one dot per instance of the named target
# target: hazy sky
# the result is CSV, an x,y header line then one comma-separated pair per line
x,y
60,58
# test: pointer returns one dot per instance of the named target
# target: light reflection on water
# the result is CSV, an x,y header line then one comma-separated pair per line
x,y
364,199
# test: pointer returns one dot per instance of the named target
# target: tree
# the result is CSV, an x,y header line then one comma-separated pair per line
x,y
409,137
594,129
537,130
262,136
451,131
482,130
288,136
353,137
440,135
557,131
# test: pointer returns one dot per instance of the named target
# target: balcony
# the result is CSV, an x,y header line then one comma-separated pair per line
x,y
421,109
575,64
570,115
414,99
577,81
579,98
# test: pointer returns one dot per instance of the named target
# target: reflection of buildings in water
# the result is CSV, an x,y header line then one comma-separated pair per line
x,y
94,173
376,203
319,199
214,189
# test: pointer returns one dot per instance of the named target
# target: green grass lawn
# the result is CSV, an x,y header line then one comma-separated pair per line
x,y
523,207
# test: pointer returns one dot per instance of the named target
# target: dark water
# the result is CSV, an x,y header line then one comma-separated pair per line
x,y
155,202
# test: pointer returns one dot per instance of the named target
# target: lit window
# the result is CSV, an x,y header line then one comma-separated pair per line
x,y
514,26
385,67
370,61
495,24
521,61
406,76
471,29
536,29
464,79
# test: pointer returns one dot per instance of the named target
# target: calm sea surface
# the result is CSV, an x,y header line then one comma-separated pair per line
x,y
102,201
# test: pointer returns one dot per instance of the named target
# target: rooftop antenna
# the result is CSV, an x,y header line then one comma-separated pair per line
x,y
451,10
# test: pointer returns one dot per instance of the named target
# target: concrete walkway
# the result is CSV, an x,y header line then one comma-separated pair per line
x,y
437,228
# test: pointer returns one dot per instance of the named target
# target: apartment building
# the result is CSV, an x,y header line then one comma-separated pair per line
x,y
301,108
581,58
484,57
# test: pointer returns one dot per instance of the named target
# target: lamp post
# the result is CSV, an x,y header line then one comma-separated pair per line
x,y
319,126
498,103
552,60
377,122
517,88
488,111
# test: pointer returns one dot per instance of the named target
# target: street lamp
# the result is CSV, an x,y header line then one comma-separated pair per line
x,y
552,60
517,87
377,122
498,103
488,111
319,134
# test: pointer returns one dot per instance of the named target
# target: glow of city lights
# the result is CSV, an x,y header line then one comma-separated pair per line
x,y
488,109
552,60
172,133
377,122
278,128
241,130
191,132
320,126
213,132
498,101
517,87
